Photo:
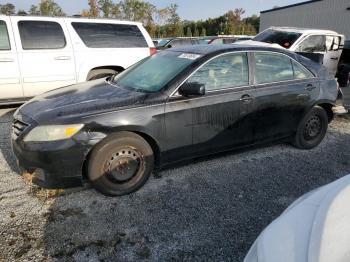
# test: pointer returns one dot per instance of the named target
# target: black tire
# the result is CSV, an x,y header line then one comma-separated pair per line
x,y
312,129
100,73
120,164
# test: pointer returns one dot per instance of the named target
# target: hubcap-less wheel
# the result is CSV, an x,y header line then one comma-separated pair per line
x,y
123,165
313,128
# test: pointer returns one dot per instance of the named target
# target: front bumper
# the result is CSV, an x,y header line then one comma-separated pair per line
x,y
54,165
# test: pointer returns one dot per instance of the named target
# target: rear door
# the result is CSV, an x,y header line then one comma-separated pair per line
x,y
10,78
284,91
45,54
333,54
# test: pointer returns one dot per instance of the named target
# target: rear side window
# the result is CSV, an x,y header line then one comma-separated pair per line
x,y
300,72
271,67
101,35
4,37
41,35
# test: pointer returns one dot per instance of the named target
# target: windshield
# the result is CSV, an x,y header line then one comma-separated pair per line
x,y
283,38
163,42
153,73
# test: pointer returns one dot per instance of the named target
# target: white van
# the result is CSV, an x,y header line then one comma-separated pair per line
x,y
38,54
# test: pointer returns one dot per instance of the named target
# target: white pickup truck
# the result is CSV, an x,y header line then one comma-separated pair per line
x,y
323,46
38,54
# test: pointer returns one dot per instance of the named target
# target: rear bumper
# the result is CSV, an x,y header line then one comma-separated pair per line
x,y
53,165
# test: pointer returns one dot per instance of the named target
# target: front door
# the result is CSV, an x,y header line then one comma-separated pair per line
x,y
10,78
45,54
223,117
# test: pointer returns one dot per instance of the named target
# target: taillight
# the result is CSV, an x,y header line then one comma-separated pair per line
x,y
153,51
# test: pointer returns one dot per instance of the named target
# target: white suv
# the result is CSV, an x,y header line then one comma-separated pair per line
x,y
38,54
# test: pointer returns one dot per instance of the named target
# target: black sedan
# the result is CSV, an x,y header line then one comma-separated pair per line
x,y
178,104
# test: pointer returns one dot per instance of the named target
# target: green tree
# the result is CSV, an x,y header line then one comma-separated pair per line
x,y
116,11
174,21
34,10
203,32
106,7
7,9
196,32
253,20
188,32
50,8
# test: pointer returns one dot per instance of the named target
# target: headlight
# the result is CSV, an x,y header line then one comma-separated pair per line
x,y
52,133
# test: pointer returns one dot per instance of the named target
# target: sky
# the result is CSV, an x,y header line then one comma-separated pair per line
x,y
188,9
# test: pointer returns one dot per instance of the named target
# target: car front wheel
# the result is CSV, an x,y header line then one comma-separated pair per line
x,y
312,129
120,164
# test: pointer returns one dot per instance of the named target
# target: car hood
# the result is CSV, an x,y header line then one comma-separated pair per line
x,y
85,98
315,228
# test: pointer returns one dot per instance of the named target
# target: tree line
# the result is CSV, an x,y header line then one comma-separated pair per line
x,y
163,22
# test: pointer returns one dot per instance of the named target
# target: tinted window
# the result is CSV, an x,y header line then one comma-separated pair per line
x,y
283,38
270,67
300,72
217,41
41,35
229,40
4,37
153,73
97,35
314,43
226,71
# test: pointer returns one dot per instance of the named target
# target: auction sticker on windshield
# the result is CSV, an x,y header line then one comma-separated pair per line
x,y
189,56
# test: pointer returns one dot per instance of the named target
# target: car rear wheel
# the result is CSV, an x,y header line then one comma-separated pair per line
x,y
312,129
120,164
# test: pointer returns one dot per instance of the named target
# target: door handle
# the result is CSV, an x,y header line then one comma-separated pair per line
x,y
310,87
63,58
246,98
6,59
334,58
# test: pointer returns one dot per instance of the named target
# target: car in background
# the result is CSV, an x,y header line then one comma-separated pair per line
x,y
38,53
177,42
315,228
178,104
323,46
215,40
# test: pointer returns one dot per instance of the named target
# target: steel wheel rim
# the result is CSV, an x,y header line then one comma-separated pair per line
x,y
123,165
313,128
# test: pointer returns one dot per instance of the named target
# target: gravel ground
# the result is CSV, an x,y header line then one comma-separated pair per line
x,y
211,209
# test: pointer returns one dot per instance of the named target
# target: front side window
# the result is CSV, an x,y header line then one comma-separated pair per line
x,y
4,37
153,73
41,35
314,43
102,35
271,67
230,70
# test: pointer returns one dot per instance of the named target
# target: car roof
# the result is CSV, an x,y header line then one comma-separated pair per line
x,y
222,48
77,19
304,30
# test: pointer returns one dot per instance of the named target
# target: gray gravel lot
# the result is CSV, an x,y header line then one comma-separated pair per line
x,y
212,209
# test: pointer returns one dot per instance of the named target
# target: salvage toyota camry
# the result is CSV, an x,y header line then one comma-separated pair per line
x,y
175,105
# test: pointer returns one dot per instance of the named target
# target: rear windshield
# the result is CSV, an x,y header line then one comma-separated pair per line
x,y
103,35
283,38
153,73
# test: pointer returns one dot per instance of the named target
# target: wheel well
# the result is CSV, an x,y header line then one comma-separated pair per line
x,y
329,111
148,139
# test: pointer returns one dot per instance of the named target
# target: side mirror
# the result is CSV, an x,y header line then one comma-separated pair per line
x,y
192,89
169,46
